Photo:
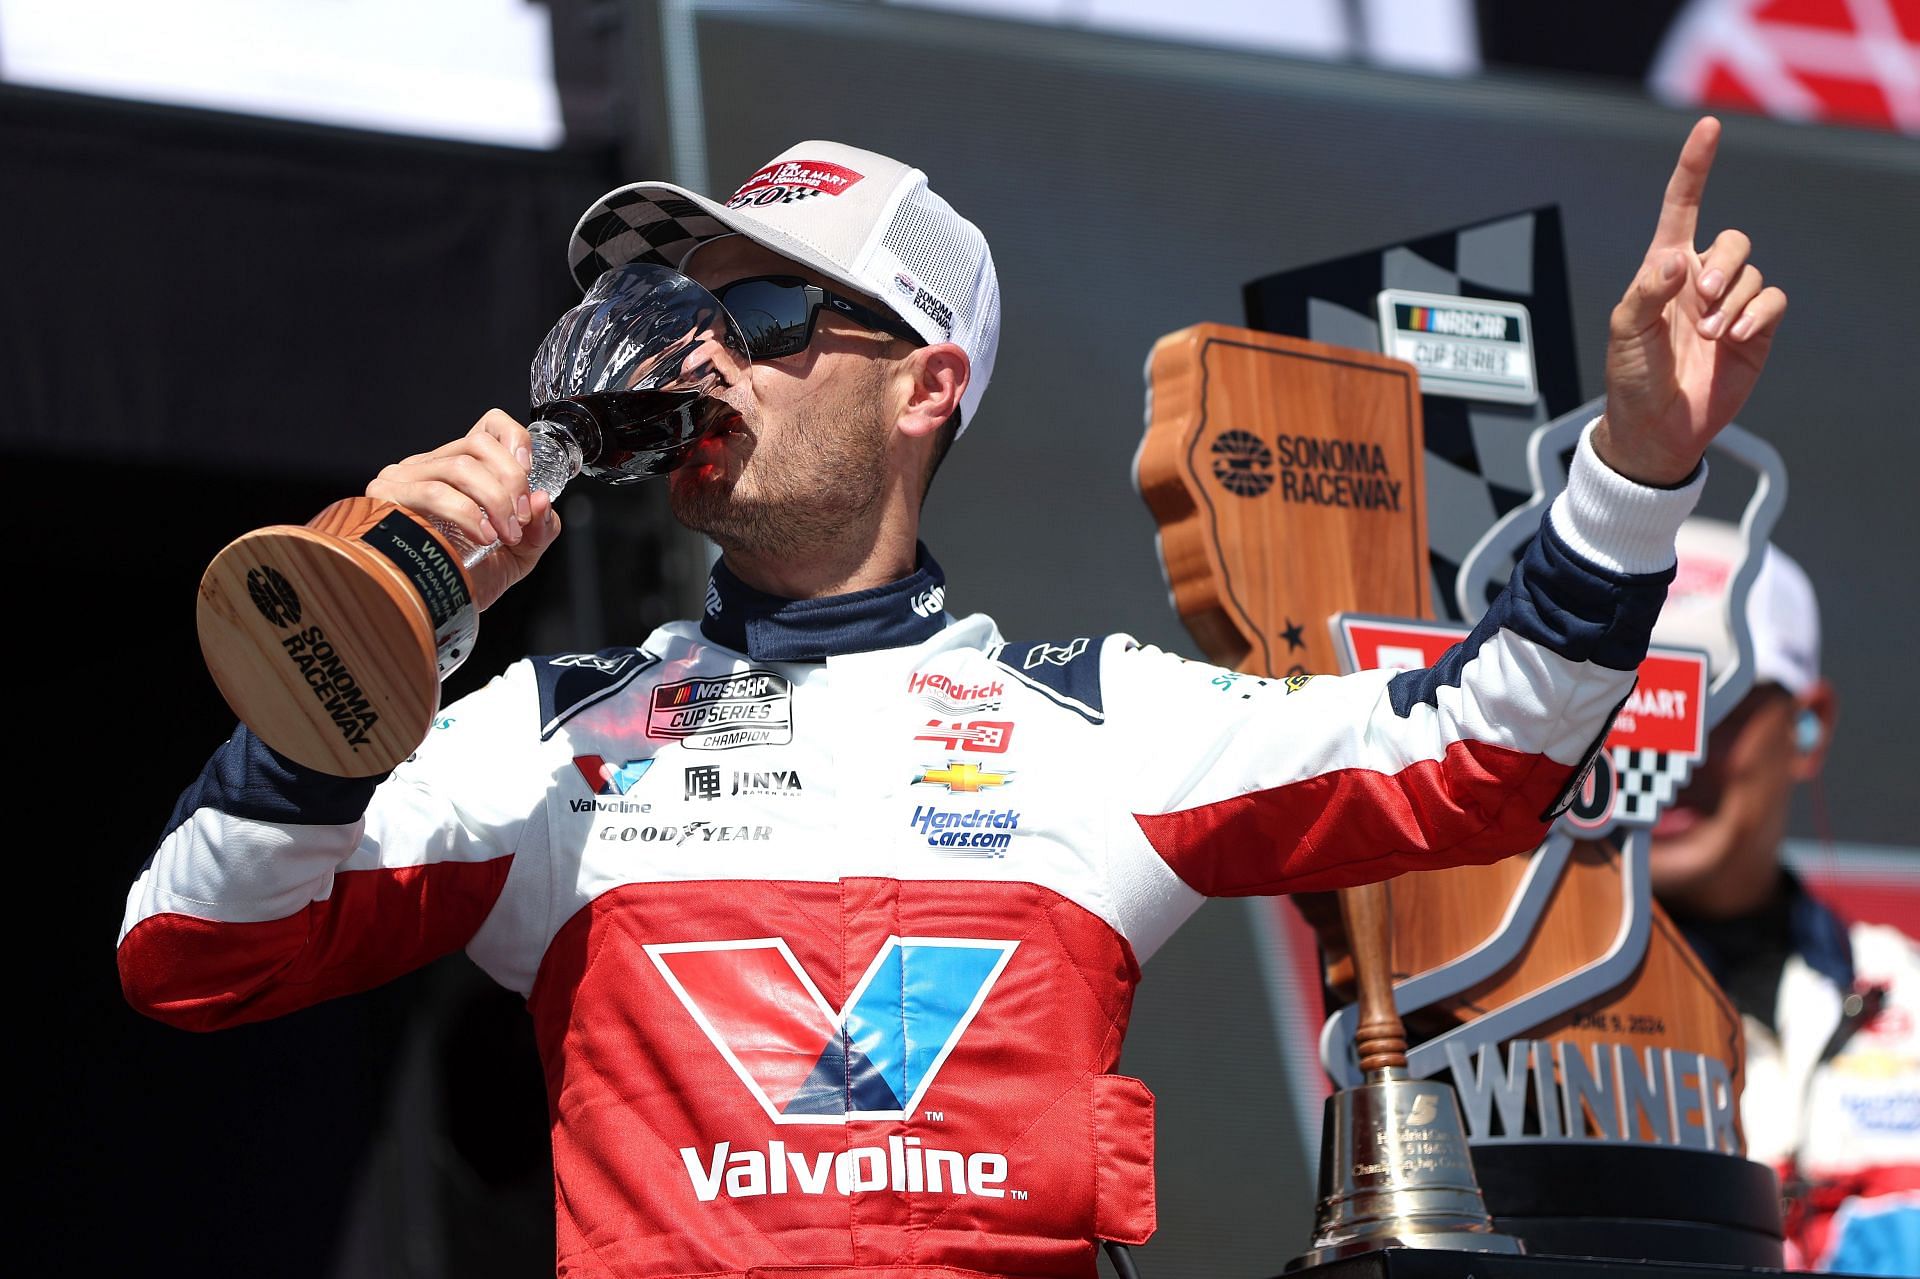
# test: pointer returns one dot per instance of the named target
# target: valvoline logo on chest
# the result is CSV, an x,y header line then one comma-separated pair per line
x,y
805,1062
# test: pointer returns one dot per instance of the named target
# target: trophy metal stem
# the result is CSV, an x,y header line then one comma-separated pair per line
x,y
1395,1171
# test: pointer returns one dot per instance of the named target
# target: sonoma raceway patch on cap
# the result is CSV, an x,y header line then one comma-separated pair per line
x,y
787,180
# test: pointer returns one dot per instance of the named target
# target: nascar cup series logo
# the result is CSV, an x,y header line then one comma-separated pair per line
x,y
1472,348
805,1063
752,708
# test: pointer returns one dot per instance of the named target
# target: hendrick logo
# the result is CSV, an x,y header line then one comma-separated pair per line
x,y
954,697
805,1062
751,708
936,684
273,595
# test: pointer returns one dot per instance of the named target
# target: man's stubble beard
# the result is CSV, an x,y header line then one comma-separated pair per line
x,y
830,479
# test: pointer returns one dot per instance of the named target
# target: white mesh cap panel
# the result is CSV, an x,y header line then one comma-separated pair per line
x,y
943,283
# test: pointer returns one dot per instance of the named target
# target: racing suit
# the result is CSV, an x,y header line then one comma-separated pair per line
x,y
1832,1096
829,913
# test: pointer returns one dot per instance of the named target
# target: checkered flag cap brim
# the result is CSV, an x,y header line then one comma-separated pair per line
x,y
647,222
661,223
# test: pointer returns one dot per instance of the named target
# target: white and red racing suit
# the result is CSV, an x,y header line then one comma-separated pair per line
x,y
829,913
1832,1097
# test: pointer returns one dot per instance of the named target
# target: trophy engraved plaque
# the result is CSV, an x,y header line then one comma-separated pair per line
x,y
330,639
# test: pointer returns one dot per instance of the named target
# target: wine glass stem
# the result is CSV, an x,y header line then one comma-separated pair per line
x,y
557,458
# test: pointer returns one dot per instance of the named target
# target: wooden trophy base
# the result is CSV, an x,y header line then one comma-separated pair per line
x,y
329,640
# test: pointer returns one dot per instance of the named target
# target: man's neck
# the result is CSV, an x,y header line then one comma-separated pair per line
x,y
833,571
881,550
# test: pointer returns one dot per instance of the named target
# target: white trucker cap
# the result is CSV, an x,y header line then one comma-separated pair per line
x,y
854,216
1782,614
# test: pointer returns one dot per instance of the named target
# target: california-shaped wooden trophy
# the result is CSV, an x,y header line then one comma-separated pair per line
x,y
330,639
1286,476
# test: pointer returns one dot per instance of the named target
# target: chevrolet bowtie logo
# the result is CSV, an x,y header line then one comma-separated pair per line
x,y
961,777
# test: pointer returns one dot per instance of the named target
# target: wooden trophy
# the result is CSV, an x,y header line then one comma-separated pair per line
x,y
1286,477
1287,481
329,639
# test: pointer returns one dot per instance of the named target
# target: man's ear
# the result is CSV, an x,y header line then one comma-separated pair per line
x,y
935,377
1817,713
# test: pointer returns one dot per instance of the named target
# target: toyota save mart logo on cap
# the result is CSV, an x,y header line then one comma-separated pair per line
x,y
788,180
806,1063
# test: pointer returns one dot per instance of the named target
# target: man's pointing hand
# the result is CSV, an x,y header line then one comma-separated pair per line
x,y
1688,340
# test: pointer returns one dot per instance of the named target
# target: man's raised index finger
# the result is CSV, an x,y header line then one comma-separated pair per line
x,y
1680,209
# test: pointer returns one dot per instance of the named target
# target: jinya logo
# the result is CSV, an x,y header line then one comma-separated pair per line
x,y
807,1064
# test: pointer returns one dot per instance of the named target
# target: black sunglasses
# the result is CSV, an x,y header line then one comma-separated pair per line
x,y
775,313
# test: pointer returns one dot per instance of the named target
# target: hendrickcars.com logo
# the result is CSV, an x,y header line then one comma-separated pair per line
x,y
988,830
805,1063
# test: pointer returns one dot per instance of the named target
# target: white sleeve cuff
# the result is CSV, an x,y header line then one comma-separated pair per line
x,y
1616,523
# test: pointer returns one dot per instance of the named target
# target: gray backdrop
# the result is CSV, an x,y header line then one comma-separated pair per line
x,y
1129,190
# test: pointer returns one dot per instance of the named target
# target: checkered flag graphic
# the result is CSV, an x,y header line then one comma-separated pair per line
x,y
1645,781
1476,460
632,225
